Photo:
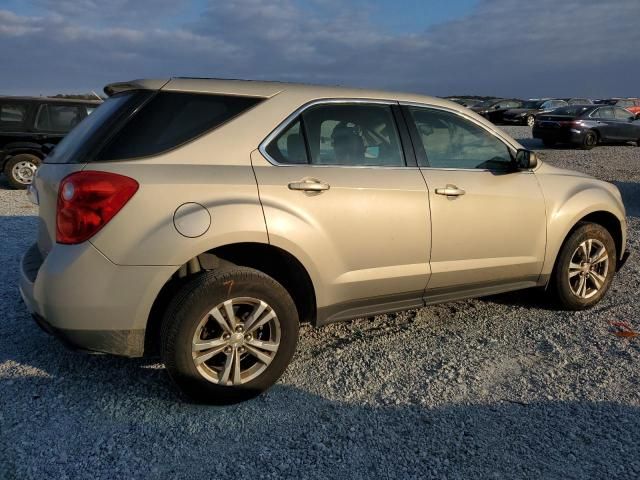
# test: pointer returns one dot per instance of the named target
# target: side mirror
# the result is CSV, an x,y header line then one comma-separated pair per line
x,y
526,159
497,107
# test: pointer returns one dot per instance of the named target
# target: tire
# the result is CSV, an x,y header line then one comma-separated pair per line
x,y
20,170
530,120
548,142
189,319
568,291
590,140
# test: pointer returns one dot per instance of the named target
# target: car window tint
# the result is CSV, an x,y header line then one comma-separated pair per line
x,y
289,147
606,113
622,114
57,118
352,135
170,119
451,141
11,113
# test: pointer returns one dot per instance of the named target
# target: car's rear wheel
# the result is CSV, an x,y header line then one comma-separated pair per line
x,y
585,267
229,335
531,120
20,170
590,140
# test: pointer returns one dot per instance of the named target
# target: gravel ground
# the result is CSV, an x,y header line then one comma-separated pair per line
x,y
500,387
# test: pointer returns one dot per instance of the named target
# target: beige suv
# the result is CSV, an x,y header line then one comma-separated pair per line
x,y
205,219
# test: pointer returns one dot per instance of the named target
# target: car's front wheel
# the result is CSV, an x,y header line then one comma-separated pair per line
x,y
585,267
229,335
20,170
530,120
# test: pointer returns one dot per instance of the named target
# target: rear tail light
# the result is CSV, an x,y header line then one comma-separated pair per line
x,y
87,201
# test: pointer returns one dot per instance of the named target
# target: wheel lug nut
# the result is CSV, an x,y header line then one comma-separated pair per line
x,y
227,349
226,336
241,350
239,328
247,338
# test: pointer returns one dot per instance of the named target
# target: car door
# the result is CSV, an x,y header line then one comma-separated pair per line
x,y
488,220
606,123
625,128
337,192
54,121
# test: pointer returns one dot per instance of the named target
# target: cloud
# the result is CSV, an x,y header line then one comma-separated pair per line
x,y
503,47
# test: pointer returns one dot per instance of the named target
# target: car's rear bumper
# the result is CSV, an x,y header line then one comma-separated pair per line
x,y
515,120
88,302
559,135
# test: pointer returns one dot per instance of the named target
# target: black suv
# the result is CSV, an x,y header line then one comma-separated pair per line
x,y
29,123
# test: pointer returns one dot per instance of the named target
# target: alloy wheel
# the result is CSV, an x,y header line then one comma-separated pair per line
x,y
588,268
236,341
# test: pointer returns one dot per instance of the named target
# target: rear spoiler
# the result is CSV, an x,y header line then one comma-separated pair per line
x,y
145,84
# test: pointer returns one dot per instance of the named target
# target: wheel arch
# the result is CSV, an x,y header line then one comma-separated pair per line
x,y
276,262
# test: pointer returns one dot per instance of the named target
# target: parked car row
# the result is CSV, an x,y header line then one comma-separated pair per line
x,y
524,112
587,125
27,124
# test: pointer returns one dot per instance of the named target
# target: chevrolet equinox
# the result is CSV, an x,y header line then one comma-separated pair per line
x,y
205,219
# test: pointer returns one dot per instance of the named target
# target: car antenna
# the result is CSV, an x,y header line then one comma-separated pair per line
x,y
97,96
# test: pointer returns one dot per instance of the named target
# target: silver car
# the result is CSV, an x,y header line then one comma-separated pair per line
x,y
205,219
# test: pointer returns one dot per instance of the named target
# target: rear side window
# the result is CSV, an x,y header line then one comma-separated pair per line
x,y
12,114
289,147
605,113
353,135
171,119
58,118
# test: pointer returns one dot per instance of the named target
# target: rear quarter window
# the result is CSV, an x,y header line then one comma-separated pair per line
x,y
171,119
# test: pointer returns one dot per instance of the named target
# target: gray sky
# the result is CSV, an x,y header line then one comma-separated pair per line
x,y
490,47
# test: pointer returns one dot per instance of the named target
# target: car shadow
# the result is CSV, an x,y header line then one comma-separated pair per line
x,y
109,415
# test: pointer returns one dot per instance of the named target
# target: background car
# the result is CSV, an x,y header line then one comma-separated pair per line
x,y
464,101
526,114
587,126
631,104
494,109
28,123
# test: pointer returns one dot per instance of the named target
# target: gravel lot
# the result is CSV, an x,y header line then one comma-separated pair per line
x,y
501,387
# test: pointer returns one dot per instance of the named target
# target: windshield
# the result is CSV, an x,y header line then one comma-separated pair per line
x,y
90,133
532,104
486,103
571,111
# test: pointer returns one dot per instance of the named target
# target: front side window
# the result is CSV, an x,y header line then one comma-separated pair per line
x,y
622,114
57,118
12,113
451,141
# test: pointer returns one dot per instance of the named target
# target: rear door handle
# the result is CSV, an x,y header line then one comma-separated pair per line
x,y
450,191
309,185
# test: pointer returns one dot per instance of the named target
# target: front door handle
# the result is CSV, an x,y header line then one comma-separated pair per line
x,y
309,185
450,191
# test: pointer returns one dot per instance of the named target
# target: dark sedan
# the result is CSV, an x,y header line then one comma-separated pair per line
x,y
526,114
494,108
587,125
